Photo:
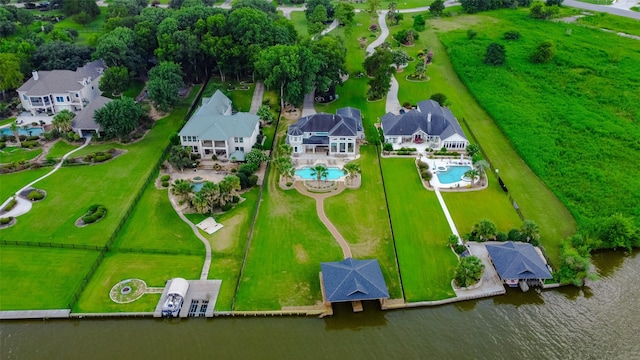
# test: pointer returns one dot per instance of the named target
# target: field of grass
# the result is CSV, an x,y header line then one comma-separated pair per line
x,y
587,129
421,230
134,89
7,121
367,232
85,32
11,154
155,270
228,245
10,183
241,99
468,208
299,21
612,22
32,277
60,148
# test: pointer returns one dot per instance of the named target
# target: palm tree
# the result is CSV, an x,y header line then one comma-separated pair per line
x,y
201,203
482,166
211,192
229,187
319,171
351,170
530,230
469,271
286,150
485,230
62,121
14,129
182,188
472,174
289,172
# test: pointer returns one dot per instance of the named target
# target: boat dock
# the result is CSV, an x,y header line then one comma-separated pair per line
x,y
199,301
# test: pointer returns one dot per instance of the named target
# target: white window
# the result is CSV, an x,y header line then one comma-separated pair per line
x,y
240,148
59,99
238,140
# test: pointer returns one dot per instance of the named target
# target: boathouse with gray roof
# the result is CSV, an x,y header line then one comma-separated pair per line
x,y
519,263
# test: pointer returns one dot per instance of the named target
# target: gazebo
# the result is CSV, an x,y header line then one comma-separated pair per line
x,y
519,264
352,281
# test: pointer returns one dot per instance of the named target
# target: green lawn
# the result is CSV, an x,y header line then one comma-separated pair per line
x,y
10,183
11,154
420,230
147,227
299,21
95,147
86,33
241,99
611,22
7,121
368,232
60,148
134,89
468,208
155,270
33,278
228,245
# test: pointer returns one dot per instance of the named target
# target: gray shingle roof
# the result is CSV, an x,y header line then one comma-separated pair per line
x,y
60,81
351,280
334,125
518,261
442,124
352,113
84,119
210,123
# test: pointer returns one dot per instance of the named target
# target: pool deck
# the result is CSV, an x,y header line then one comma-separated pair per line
x,y
434,164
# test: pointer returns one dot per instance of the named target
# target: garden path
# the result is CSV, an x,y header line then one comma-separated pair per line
x,y
204,274
319,198
24,206
452,225
256,101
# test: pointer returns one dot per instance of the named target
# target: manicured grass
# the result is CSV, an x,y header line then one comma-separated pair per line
x,y
299,21
114,184
11,154
60,148
93,148
7,121
368,232
611,22
32,277
241,99
10,183
420,230
268,132
286,249
468,208
134,89
155,270
587,132
148,226
228,245
86,33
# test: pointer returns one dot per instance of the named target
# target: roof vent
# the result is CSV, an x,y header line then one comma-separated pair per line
x,y
35,75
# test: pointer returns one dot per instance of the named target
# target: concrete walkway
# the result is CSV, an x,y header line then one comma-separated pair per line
x,y
452,225
319,197
256,101
393,104
308,105
611,9
24,206
204,274
384,32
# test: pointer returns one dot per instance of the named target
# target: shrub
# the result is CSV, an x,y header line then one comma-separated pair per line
x,y
95,213
502,236
440,99
511,35
165,184
373,27
387,147
247,169
30,144
419,23
164,178
31,138
3,145
543,53
495,54
253,180
471,34
422,165
459,249
227,206
406,105
514,235
540,11
5,220
10,205
426,175
35,195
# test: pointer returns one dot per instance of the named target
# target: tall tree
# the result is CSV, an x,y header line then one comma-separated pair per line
x,y
229,187
344,13
119,117
60,55
437,7
373,6
182,188
115,80
10,74
63,120
118,48
14,129
292,68
313,4
320,172
165,80
352,170
331,54
485,230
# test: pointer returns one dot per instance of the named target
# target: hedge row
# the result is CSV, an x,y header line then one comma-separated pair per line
x,y
11,205
5,220
35,195
95,213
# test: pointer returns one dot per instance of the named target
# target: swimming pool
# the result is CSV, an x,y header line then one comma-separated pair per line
x,y
29,132
453,174
334,173
197,187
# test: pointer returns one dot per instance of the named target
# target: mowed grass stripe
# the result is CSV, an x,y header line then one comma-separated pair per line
x,y
361,217
420,230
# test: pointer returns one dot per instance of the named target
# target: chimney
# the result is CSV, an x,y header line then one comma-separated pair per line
x,y
35,75
429,123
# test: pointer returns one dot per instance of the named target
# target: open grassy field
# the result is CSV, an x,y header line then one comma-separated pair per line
x,y
228,245
11,154
420,230
468,208
10,183
241,99
114,184
155,270
86,33
611,22
368,232
585,116
33,278
59,149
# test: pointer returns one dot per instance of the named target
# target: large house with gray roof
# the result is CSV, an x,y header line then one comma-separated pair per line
x,y
214,129
335,135
429,124
56,90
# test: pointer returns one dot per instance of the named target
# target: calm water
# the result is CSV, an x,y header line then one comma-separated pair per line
x,y
21,131
306,173
453,174
601,321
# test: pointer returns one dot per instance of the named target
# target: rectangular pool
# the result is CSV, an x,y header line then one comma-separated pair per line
x,y
306,173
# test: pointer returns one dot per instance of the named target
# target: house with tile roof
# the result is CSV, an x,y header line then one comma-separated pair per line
x,y
352,280
429,124
214,129
518,262
56,90
322,133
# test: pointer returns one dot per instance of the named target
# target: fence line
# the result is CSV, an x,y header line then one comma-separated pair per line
x,y
493,170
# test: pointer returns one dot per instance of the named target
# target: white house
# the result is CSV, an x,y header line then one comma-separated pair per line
x,y
428,124
56,90
215,130
326,133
